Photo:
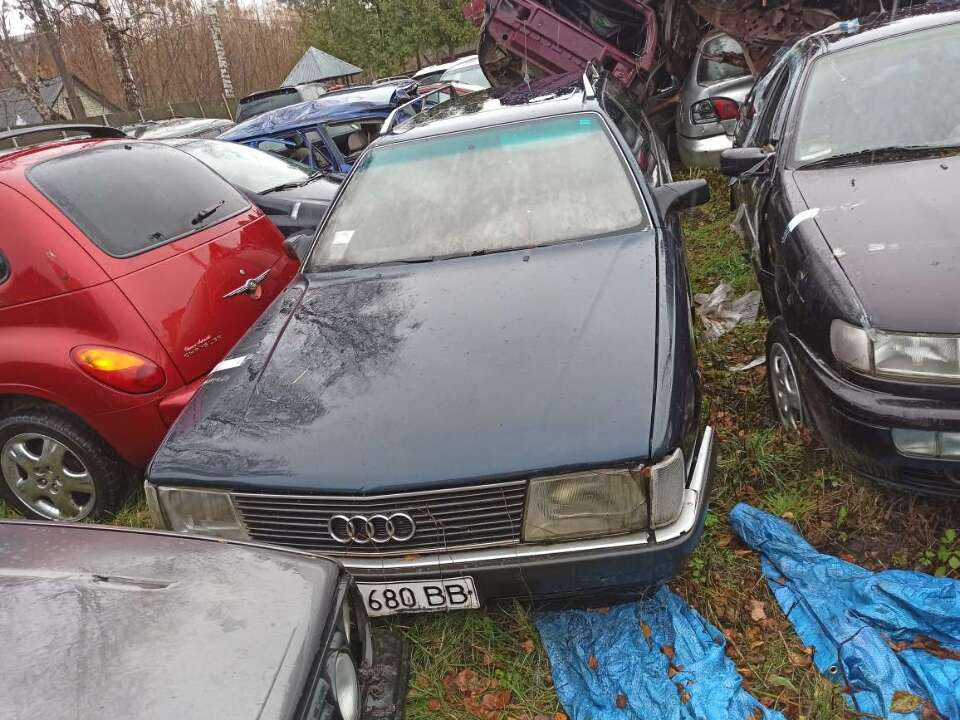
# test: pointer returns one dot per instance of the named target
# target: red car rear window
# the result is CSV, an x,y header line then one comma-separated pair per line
x,y
131,197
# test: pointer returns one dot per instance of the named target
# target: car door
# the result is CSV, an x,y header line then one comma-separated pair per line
x,y
196,260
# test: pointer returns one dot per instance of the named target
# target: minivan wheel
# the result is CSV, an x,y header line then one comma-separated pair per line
x,y
784,388
53,467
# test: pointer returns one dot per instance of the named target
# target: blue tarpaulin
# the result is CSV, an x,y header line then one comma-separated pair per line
x,y
892,638
655,659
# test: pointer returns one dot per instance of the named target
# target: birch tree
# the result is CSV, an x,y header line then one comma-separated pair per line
x,y
28,87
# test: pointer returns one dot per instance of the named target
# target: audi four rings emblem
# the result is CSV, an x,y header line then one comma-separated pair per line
x,y
380,529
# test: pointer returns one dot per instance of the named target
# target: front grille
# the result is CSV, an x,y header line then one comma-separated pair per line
x,y
445,519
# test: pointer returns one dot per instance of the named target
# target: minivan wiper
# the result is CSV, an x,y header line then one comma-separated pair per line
x,y
204,214
893,152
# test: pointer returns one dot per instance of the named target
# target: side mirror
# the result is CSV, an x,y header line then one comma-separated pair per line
x,y
4,268
735,162
681,195
298,245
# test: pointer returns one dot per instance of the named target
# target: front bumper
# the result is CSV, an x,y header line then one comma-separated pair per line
x,y
595,569
856,423
702,152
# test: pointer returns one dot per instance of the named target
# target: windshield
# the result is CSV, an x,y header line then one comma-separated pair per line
x,y
511,186
251,107
466,74
247,167
898,92
721,59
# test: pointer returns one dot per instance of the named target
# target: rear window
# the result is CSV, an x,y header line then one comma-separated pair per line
x,y
131,197
721,59
251,107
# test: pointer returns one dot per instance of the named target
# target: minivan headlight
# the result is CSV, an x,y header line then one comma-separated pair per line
x,y
585,504
200,512
898,355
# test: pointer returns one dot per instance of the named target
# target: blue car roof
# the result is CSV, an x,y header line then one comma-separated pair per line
x,y
332,107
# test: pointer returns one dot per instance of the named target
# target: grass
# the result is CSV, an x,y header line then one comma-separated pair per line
x,y
758,463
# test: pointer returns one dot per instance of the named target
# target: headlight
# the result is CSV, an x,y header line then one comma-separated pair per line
x,y
203,512
598,502
909,357
346,686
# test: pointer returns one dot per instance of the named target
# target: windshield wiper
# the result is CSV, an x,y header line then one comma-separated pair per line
x,y
291,185
204,214
894,152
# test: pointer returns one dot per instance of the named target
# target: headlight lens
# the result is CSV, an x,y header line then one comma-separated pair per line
x,y
598,502
202,512
909,357
346,687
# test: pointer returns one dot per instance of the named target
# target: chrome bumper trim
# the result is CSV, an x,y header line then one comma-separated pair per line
x,y
694,497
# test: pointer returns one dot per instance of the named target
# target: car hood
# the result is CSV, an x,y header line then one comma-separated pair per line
x,y
152,626
893,229
434,374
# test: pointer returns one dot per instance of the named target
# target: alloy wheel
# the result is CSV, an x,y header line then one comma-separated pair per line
x,y
785,389
47,477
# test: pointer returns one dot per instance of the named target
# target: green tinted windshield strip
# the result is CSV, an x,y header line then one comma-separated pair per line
x,y
502,136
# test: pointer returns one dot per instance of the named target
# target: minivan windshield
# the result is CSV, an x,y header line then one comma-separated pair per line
x,y
505,187
258,104
896,93
246,167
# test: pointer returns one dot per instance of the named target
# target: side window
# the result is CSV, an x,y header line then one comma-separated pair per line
x,y
636,130
351,138
766,106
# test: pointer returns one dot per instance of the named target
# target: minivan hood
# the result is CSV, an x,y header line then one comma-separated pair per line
x,y
893,229
435,374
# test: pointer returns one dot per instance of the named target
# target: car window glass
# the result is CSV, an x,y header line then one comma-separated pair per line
x,y
721,59
902,91
429,203
136,196
247,167
768,106
351,138
249,107
4,268
628,116
470,75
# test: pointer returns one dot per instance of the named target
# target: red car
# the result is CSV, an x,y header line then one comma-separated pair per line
x,y
128,269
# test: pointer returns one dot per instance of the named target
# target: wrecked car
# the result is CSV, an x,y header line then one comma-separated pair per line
x,y
524,39
846,183
714,90
152,625
484,384
328,133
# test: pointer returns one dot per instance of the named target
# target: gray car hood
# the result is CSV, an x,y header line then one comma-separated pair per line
x,y
105,623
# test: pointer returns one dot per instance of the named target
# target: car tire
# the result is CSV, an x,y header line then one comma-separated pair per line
x,y
54,467
785,392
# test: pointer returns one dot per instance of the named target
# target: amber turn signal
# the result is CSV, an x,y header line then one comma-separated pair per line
x,y
119,369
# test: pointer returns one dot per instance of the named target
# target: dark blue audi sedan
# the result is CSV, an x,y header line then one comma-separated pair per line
x,y
483,385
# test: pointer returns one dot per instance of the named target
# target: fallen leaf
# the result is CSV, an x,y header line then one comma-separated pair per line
x,y
684,697
757,611
527,646
646,632
798,660
671,671
904,702
488,659
756,714
621,701
496,700
592,662
601,610
433,704
782,682
559,716
668,651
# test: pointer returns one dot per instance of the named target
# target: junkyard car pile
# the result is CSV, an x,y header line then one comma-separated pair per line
x,y
460,360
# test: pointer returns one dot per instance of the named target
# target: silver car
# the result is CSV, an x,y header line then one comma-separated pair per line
x,y
717,84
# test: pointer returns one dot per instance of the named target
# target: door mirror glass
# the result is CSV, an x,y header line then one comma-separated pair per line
x,y
736,162
4,268
681,195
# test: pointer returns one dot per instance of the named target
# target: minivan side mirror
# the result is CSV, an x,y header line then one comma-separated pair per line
x,y
681,195
735,162
298,245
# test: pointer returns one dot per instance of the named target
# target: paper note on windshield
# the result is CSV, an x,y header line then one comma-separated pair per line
x,y
341,241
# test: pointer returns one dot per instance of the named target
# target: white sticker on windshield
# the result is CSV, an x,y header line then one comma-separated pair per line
x,y
342,237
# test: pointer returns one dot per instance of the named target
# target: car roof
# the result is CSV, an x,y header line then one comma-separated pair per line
x,y
156,625
544,97
337,105
464,62
843,35
17,160
440,67
173,127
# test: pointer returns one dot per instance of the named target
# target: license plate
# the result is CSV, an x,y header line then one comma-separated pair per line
x,y
419,596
